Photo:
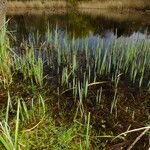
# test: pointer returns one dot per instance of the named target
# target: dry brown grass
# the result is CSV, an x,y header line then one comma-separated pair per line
x,y
119,4
95,4
36,12
35,4
119,16
2,18
116,15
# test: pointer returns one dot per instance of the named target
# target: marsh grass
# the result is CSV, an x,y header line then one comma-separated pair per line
x,y
30,66
85,75
5,60
75,68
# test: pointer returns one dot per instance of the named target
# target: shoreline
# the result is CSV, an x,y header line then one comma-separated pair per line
x,y
118,16
137,5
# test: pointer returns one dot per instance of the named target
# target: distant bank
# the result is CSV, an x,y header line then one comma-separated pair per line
x,y
94,4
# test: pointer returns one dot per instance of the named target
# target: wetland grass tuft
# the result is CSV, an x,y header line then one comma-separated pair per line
x,y
5,59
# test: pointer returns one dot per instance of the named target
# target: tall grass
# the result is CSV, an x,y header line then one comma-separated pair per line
x,y
30,65
9,142
76,65
10,137
5,59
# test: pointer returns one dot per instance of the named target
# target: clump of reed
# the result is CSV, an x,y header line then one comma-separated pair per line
x,y
78,66
29,65
76,61
5,58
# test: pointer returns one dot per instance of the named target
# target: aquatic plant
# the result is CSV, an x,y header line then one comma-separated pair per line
x,y
74,61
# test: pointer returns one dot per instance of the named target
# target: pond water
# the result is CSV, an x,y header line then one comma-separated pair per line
x,y
80,25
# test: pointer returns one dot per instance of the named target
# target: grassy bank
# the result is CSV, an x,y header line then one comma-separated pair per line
x,y
112,4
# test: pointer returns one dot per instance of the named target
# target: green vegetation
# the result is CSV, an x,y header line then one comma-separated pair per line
x,y
34,121
148,11
66,95
5,60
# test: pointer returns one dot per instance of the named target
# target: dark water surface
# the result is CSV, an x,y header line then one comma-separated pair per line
x,y
81,25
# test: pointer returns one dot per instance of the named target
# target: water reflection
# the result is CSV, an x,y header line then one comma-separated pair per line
x,y
77,25
32,28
